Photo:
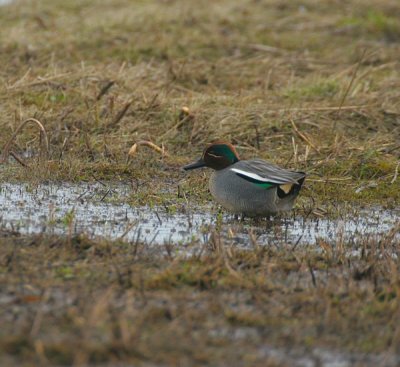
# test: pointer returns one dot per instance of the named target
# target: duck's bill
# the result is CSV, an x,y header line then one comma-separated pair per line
x,y
200,163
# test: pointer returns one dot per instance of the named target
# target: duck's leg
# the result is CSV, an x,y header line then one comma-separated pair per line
x,y
257,220
239,217
269,221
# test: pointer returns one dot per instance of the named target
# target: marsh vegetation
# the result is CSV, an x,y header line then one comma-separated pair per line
x,y
309,85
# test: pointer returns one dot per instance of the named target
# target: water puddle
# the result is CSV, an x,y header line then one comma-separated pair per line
x,y
327,358
101,210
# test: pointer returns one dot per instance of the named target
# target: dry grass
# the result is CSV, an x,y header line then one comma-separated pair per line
x,y
311,85
81,301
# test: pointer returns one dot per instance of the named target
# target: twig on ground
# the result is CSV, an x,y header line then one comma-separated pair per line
x,y
18,159
6,150
333,108
303,136
396,173
105,89
353,77
120,114
149,144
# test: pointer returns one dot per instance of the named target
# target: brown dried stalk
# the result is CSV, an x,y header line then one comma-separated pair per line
x,y
105,89
7,147
303,136
149,144
121,114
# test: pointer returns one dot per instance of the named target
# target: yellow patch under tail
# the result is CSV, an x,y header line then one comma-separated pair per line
x,y
286,187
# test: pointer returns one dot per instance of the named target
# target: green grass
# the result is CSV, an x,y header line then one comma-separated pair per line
x,y
375,23
318,91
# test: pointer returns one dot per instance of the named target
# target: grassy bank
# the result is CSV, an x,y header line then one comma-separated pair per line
x,y
76,301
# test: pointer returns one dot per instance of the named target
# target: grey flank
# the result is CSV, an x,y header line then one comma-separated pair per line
x,y
241,196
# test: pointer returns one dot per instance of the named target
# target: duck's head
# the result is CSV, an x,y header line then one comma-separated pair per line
x,y
217,155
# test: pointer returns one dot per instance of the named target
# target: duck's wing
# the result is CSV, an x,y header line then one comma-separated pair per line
x,y
260,171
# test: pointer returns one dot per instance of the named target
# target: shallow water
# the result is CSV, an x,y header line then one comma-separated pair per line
x,y
101,210
327,358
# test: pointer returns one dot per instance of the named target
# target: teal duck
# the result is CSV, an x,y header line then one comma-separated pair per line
x,y
253,187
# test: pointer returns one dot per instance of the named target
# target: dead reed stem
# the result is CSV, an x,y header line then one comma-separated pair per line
x,y
6,150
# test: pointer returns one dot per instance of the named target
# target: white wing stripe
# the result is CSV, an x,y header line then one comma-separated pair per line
x,y
254,176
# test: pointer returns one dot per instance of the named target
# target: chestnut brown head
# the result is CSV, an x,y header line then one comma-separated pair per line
x,y
217,155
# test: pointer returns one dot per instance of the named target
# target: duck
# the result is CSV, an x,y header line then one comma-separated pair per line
x,y
251,188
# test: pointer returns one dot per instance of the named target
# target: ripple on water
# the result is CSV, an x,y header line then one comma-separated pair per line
x,y
100,210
